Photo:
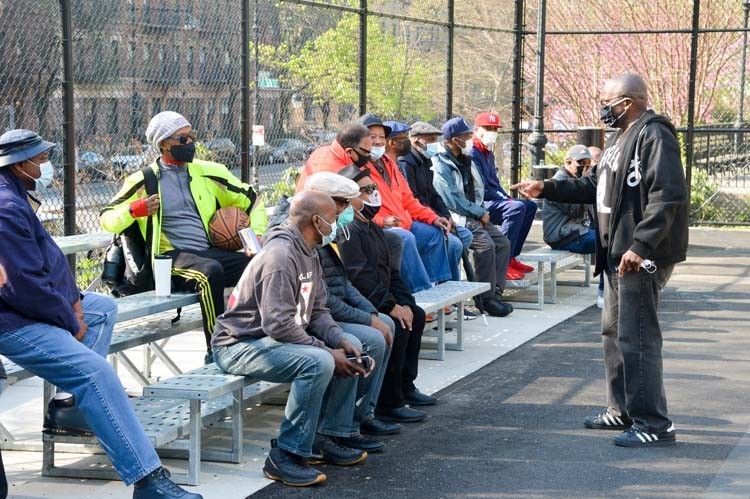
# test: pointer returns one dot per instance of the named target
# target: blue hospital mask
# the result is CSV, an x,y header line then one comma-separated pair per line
x,y
331,236
347,216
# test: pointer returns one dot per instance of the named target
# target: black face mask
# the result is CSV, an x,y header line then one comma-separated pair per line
x,y
579,171
361,160
369,211
607,116
405,148
184,153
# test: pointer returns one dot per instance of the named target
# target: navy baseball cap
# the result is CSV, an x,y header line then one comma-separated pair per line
x,y
19,145
370,119
456,126
396,127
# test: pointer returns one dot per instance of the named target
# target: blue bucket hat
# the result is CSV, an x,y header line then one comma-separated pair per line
x,y
19,145
456,126
396,127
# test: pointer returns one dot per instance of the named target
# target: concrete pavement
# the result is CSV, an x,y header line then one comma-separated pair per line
x,y
514,428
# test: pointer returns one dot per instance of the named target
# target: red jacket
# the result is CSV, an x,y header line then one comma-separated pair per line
x,y
330,158
398,199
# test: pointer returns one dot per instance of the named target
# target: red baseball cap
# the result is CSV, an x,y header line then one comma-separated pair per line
x,y
487,119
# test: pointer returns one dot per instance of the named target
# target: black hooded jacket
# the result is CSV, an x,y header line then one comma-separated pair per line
x,y
642,203
417,170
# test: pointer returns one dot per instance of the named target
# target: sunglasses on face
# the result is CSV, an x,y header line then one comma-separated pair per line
x,y
183,139
369,188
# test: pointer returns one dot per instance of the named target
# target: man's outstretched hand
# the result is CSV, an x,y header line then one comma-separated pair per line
x,y
530,188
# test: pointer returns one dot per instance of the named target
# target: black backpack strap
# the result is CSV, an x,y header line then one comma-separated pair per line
x,y
152,187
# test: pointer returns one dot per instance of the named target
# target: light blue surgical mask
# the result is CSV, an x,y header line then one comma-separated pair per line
x,y
431,150
330,237
376,152
346,217
45,179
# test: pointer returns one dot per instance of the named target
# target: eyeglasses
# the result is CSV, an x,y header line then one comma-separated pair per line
x,y
182,138
613,100
369,188
341,200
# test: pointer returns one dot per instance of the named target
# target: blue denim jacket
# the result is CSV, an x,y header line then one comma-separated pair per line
x,y
40,284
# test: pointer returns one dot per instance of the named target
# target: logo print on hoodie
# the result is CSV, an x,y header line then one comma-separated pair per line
x,y
304,305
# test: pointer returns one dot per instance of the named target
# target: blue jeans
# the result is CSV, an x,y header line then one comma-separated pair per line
x,y
318,400
514,216
81,368
413,271
369,388
455,250
584,245
430,243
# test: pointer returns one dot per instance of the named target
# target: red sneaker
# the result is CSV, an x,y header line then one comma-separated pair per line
x,y
513,275
522,267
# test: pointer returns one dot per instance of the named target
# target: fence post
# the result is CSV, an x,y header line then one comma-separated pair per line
x,y
689,144
537,139
245,120
362,57
449,65
69,154
515,146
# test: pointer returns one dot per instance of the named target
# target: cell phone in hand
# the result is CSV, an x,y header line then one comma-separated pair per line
x,y
366,361
250,241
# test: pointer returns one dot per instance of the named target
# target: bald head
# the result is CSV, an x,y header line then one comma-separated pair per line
x,y
629,85
307,204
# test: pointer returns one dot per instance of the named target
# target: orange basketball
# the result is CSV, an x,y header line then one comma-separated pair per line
x,y
224,226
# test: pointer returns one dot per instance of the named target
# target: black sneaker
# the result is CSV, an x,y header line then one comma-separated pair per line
x,y
374,426
607,421
362,443
469,316
635,437
497,308
158,485
290,469
330,450
65,418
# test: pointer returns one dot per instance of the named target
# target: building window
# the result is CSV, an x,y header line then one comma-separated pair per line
x,y
91,118
113,127
190,63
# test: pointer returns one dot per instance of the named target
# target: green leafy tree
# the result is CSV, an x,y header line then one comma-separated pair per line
x,y
399,82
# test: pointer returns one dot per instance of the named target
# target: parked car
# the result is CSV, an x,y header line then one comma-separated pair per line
x,y
287,150
131,159
90,165
222,151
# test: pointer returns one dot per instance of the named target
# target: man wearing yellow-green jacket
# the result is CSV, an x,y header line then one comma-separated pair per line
x,y
190,192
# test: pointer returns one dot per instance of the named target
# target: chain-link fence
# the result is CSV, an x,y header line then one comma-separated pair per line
x,y
310,66
691,54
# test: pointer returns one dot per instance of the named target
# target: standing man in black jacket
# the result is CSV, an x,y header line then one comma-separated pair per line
x,y
642,211
367,261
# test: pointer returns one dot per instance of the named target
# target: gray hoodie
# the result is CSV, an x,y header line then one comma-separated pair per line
x,y
281,294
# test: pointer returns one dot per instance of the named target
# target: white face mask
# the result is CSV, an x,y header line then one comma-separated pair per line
x,y
376,152
431,150
45,179
466,149
489,138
